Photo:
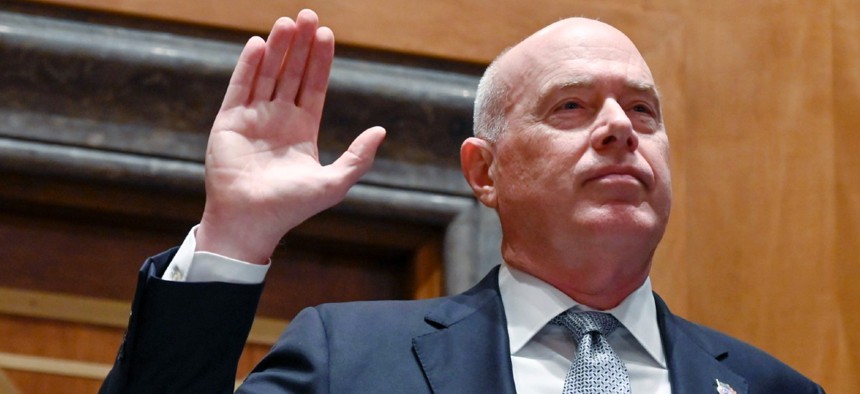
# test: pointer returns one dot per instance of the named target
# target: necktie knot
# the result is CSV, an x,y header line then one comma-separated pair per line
x,y
581,323
596,368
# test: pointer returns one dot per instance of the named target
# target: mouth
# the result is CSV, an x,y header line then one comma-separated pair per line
x,y
619,175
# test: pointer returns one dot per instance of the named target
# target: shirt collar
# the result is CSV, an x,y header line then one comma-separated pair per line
x,y
531,303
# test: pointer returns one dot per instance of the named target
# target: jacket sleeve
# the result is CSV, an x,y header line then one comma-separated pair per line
x,y
182,337
299,361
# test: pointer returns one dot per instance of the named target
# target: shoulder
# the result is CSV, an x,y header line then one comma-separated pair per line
x,y
385,320
763,372
442,311
727,347
375,316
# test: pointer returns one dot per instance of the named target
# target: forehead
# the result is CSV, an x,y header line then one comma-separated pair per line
x,y
575,53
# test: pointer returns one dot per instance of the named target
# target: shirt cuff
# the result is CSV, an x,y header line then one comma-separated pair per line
x,y
191,266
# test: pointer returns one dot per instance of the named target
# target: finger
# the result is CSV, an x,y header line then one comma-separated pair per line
x,y
242,80
276,46
297,56
311,95
357,160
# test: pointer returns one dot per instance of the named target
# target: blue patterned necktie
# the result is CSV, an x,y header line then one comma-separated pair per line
x,y
596,368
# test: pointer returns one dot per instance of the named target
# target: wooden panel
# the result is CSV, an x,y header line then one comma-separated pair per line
x,y
42,356
46,365
76,255
49,355
70,252
844,376
32,382
665,58
59,340
427,274
760,229
64,343
68,308
101,312
472,31
314,272
6,385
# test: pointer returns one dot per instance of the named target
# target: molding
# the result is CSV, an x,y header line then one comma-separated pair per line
x,y
67,308
54,366
106,313
113,169
153,93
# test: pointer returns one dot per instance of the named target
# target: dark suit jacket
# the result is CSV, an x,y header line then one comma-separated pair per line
x,y
187,337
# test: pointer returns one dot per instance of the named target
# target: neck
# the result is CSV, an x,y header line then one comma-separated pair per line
x,y
598,278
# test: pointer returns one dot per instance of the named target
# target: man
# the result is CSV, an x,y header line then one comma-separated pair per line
x,y
570,150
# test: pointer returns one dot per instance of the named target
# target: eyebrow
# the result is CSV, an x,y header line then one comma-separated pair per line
x,y
579,82
643,87
639,86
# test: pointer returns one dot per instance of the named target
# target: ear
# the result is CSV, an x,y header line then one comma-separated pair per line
x,y
476,160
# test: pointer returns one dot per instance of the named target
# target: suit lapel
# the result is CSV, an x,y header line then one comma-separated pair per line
x,y
469,351
694,365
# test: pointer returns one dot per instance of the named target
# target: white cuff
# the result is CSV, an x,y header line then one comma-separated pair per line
x,y
190,266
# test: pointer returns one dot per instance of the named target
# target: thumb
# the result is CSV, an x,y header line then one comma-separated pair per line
x,y
356,161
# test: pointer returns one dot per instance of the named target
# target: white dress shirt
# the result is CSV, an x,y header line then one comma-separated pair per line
x,y
541,353
191,266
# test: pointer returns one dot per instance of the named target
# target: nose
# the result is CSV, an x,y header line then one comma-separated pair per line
x,y
614,130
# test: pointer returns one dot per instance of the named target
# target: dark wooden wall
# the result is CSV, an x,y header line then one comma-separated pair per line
x,y
103,126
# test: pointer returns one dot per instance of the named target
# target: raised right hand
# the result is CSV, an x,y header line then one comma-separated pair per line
x,y
263,175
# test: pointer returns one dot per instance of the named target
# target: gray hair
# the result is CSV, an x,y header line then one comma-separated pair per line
x,y
490,104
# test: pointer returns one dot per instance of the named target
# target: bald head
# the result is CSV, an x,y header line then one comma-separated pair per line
x,y
577,32
568,40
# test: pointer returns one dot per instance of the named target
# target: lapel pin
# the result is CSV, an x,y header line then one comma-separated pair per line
x,y
724,388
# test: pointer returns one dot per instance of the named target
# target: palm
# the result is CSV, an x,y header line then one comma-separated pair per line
x,y
267,167
263,175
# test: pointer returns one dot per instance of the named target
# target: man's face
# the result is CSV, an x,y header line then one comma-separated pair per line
x,y
584,152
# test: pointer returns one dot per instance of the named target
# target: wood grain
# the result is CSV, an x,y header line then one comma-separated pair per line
x,y
472,31
761,236
6,385
843,374
53,366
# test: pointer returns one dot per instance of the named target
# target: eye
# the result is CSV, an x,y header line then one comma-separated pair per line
x,y
569,105
642,108
644,117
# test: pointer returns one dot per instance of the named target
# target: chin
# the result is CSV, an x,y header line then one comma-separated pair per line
x,y
618,217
